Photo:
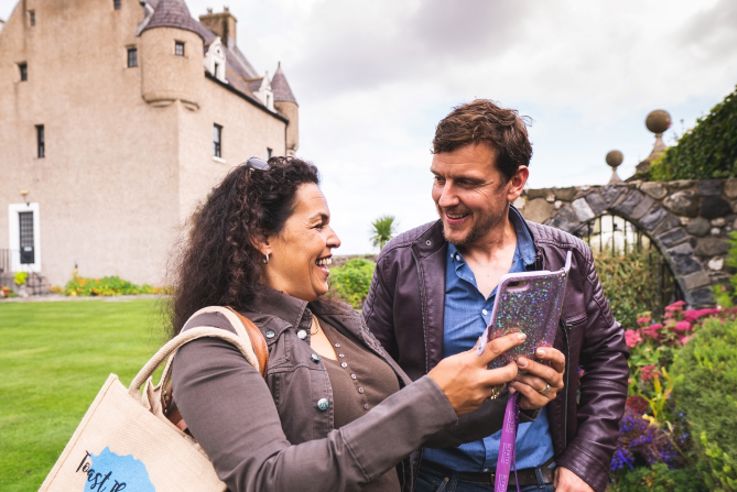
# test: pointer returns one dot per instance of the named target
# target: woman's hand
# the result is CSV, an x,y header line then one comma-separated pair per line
x,y
539,383
465,379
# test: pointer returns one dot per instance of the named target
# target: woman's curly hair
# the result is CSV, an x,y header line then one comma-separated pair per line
x,y
219,264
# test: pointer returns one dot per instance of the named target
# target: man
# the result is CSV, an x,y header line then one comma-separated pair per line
x,y
434,288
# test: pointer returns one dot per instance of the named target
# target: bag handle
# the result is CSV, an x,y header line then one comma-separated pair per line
x,y
191,334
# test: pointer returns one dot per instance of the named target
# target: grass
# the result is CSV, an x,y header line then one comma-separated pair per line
x,y
54,357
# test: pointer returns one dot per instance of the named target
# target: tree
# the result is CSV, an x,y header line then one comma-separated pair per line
x,y
383,230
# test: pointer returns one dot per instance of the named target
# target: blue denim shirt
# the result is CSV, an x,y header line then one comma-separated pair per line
x,y
467,313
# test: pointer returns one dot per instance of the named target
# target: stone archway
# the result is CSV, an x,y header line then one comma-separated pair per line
x,y
668,217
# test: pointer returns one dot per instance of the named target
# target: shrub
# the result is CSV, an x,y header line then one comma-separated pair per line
x,y
20,278
658,478
705,388
629,283
351,281
709,150
105,286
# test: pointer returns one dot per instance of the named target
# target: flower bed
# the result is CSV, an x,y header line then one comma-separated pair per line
x,y
656,449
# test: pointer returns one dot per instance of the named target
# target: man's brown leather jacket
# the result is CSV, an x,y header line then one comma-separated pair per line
x,y
404,309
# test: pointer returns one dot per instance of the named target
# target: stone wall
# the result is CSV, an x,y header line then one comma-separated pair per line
x,y
689,221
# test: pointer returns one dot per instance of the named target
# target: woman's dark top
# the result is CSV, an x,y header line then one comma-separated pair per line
x,y
360,380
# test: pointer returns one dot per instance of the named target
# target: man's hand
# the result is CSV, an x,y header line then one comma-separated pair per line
x,y
567,481
538,384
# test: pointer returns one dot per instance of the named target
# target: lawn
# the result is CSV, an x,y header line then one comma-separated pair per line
x,y
54,356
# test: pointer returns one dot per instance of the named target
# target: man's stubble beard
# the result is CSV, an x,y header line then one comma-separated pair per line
x,y
478,230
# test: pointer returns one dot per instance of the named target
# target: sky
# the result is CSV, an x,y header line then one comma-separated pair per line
x,y
373,79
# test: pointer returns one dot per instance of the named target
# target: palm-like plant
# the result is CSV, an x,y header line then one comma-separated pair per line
x,y
383,230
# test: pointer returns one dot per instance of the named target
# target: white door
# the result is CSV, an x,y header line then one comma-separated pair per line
x,y
24,234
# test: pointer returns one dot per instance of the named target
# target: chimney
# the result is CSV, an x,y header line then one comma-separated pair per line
x,y
223,24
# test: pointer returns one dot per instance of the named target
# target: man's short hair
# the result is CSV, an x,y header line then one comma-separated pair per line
x,y
482,121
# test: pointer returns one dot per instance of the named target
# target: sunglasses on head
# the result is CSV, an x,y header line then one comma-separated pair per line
x,y
257,164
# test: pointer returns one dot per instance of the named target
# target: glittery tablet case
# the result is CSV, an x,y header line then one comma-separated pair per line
x,y
530,302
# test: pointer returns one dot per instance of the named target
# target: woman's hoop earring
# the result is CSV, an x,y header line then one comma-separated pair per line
x,y
265,259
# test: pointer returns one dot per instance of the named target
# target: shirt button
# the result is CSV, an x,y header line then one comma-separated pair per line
x,y
354,377
458,257
270,334
428,243
361,390
341,355
337,345
315,358
323,404
301,334
484,312
343,365
366,406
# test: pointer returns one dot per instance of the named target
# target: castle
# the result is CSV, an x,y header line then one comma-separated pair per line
x,y
116,118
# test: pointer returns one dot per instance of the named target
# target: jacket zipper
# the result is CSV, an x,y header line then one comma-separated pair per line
x,y
568,380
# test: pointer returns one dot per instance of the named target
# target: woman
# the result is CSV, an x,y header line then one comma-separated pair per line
x,y
334,412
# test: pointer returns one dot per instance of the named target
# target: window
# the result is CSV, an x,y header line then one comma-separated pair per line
x,y
25,234
179,48
23,71
40,142
132,57
216,70
116,4
217,140
269,152
32,18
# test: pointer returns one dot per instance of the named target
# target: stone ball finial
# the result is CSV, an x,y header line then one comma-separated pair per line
x,y
614,158
658,121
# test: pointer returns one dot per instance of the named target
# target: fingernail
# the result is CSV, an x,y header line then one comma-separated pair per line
x,y
522,362
521,336
512,390
540,351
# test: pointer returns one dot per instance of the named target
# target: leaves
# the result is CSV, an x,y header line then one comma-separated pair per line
x,y
383,230
708,151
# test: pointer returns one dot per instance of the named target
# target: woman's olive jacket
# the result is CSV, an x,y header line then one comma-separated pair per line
x,y
278,433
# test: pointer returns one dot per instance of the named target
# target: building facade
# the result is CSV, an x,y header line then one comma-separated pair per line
x,y
116,118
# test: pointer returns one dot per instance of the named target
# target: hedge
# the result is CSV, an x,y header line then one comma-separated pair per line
x,y
709,150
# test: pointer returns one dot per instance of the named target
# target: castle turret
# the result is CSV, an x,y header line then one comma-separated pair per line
x,y
286,104
172,46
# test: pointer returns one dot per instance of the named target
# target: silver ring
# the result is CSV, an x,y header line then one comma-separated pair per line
x,y
545,390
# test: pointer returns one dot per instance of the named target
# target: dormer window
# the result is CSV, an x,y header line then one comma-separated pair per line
x,y
23,71
179,48
216,70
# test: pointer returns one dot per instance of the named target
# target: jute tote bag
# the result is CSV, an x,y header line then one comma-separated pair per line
x,y
125,442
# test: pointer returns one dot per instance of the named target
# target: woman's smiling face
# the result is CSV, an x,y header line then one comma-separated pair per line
x,y
302,251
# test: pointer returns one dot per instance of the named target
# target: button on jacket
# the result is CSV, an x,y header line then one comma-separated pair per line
x,y
404,310
278,433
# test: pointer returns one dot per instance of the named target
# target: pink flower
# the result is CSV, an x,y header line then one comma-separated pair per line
x,y
632,338
694,314
685,340
644,319
676,306
648,372
653,331
682,326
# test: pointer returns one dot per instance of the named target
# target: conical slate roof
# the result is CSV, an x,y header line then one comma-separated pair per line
x,y
280,87
174,13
